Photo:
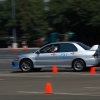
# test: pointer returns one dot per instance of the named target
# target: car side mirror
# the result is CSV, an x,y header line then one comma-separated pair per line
x,y
37,52
55,48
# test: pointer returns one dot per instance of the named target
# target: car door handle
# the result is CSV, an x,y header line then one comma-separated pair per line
x,y
52,54
72,53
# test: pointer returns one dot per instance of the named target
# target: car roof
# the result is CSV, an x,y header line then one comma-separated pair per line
x,y
64,42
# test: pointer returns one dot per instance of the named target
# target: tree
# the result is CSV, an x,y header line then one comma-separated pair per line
x,y
32,20
80,16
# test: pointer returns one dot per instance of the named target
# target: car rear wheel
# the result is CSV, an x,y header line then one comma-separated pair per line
x,y
79,65
26,65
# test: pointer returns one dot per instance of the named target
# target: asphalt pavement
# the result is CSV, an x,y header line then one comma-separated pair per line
x,y
65,85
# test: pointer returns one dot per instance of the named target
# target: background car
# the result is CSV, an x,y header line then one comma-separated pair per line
x,y
74,55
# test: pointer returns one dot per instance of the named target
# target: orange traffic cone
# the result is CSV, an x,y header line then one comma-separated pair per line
x,y
25,48
92,70
15,51
9,48
55,69
48,88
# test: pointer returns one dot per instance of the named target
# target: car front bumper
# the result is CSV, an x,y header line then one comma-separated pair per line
x,y
15,66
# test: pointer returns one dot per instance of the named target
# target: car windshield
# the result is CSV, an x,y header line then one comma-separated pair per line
x,y
84,46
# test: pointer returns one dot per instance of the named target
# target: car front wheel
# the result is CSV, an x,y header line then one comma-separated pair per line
x,y
26,65
79,65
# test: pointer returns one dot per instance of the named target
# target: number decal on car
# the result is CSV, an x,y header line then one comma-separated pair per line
x,y
64,56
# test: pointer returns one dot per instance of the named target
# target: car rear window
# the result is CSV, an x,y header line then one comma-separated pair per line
x,y
99,48
84,46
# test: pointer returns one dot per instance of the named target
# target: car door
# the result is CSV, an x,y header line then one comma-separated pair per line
x,y
45,57
65,55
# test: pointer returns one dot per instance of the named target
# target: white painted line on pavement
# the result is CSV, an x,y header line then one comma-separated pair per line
x,y
38,73
73,93
37,76
85,94
31,92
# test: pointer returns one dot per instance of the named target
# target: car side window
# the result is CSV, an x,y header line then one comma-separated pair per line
x,y
74,48
49,48
67,47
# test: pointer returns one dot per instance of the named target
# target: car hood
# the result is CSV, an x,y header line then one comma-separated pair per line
x,y
26,55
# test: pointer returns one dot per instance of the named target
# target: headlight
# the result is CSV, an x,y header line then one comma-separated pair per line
x,y
17,58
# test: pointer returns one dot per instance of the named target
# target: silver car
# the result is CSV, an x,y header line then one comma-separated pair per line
x,y
74,55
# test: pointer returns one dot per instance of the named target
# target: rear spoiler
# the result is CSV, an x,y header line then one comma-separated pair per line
x,y
94,48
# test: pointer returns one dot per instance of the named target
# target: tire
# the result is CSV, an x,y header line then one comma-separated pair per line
x,y
37,69
26,65
79,65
